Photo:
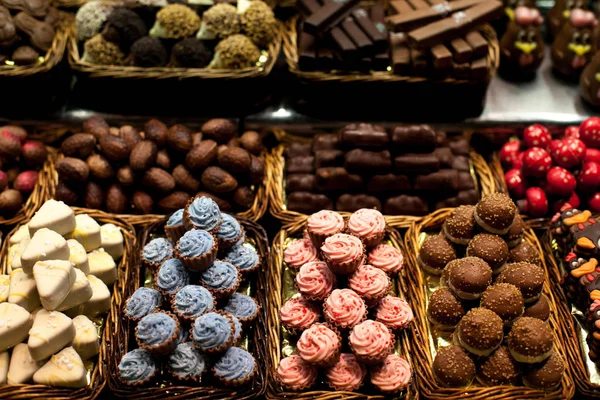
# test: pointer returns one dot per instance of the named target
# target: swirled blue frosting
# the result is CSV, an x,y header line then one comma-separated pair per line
x,y
193,301
243,257
195,243
155,329
235,364
186,361
221,275
172,276
158,250
211,330
176,218
230,228
142,302
237,335
241,306
137,366
183,336
204,213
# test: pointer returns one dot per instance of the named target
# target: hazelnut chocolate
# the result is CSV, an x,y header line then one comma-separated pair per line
x,y
301,164
445,179
358,160
417,163
414,138
300,183
499,369
452,367
337,178
325,141
364,135
445,310
480,332
329,158
405,205
495,213
308,203
389,183
353,202
505,300
491,249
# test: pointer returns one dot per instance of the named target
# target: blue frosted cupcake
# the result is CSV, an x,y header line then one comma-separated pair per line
x,y
142,302
243,307
230,232
174,228
202,213
156,252
213,332
158,333
197,249
171,277
244,258
137,368
221,278
237,335
186,363
235,368
192,301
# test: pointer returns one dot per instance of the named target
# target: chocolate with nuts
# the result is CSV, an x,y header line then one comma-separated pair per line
x,y
452,367
459,227
435,253
491,249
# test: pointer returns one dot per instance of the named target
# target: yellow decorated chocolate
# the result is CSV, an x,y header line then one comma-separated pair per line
x,y
86,232
103,266
78,256
79,294
23,290
64,369
87,341
54,215
22,366
51,331
54,280
44,245
99,303
15,322
112,240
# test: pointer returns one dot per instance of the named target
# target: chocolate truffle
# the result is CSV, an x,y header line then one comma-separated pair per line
x,y
480,332
435,253
505,300
491,249
469,277
524,252
452,367
495,213
459,227
546,375
499,369
540,309
528,278
445,309
515,233
530,340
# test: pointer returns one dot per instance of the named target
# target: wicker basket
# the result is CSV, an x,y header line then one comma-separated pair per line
x,y
407,338
428,386
123,337
98,376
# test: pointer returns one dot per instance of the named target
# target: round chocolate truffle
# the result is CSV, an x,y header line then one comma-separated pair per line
x,y
515,233
480,332
453,367
459,227
495,213
524,252
530,340
546,375
435,253
499,369
491,249
529,278
469,277
445,309
540,309
505,300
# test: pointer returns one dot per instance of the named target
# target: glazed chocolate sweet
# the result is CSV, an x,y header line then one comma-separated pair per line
x,y
364,161
499,369
529,278
389,183
308,203
444,154
530,340
405,205
300,165
515,234
540,309
300,183
337,178
354,202
546,375
364,135
442,180
459,227
480,332
435,253
414,139
524,252
461,163
491,249
325,141
453,367
329,158
445,310
417,163
505,300
468,277
298,150
495,213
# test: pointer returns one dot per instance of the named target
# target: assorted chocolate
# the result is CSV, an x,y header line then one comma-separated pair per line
x,y
522,46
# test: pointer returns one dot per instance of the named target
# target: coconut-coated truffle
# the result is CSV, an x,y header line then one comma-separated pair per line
x,y
459,227
480,332
499,369
540,309
505,300
468,277
495,213
99,51
530,340
175,21
149,52
191,53
453,367
529,278
435,253
524,252
545,375
89,19
445,309
259,23
124,27
220,21
235,52
491,249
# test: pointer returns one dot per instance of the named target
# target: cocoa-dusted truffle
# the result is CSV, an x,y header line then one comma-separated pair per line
x,y
530,340
546,375
102,52
515,233
491,249
469,277
235,52
124,27
529,278
452,367
524,252
149,52
175,21
445,309
218,22
499,369
505,300
540,309
259,23
459,227
480,332
435,253
495,213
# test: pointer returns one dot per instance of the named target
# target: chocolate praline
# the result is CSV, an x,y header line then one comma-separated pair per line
x,y
480,332
515,233
505,300
469,277
524,252
491,249
435,253
499,369
540,309
445,309
530,340
528,278
545,375
495,213
453,367
459,227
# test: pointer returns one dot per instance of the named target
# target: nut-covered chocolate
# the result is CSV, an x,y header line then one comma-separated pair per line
x,y
72,169
114,148
220,130
218,180
235,160
459,227
142,202
435,253
202,155
528,278
185,179
452,367
499,369
143,155
515,234
505,300
524,252
179,138
445,310
495,213
79,145
251,141
116,200
480,331
158,180
100,167
491,249
546,375
156,131
96,126
530,340
469,277
539,309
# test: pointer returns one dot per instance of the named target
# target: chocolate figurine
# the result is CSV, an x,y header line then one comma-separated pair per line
x,y
511,5
522,46
589,83
574,46
8,31
560,13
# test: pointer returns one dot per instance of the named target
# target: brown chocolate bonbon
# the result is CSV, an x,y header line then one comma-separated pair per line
x,y
360,161
417,163
405,205
336,179
302,164
353,202
300,183
325,141
445,179
414,138
364,135
329,158
308,203
389,183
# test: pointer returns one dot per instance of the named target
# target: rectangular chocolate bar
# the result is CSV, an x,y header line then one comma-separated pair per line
x,y
462,51
359,161
353,202
364,136
405,205
400,7
364,45
308,203
462,71
477,43
418,4
325,59
418,18
416,163
325,141
307,52
441,57
329,158
300,165
414,139
328,15
377,33
381,61
444,179
332,179
300,183
389,183
309,7
344,45
479,69
401,64
420,62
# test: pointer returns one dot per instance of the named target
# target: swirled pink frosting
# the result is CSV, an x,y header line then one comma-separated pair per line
x,y
386,258
315,279
347,374
393,312
317,343
370,338
325,222
299,252
394,374
294,373
366,222
345,307
342,248
369,281
298,313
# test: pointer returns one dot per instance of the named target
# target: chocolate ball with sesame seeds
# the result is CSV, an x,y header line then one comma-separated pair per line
x,y
505,300
528,278
445,310
524,252
453,367
545,375
499,369
480,332
491,249
495,213
469,277
540,309
530,340
459,227
515,234
435,253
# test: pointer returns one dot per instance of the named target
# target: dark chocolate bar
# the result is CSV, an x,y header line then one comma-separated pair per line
x,y
308,203
460,147
414,138
407,21
325,141
329,158
400,7
307,58
418,4
300,183
381,61
364,45
444,154
309,7
344,44
420,62
405,205
461,50
444,179
401,63
465,181
353,202
460,163
364,135
478,44
441,57
416,163
360,161
389,183
302,164
329,15
325,59
462,71
298,149
378,38
479,69
333,179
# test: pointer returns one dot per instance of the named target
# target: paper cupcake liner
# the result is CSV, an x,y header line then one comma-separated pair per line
x,y
335,356
297,330
371,240
136,320
346,267
315,297
373,300
166,347
222,293
187,318
245,321
236,382
376,359
174,233
152,266
249,271
226,244
224,346
201,263
140,383
297,388
317,239
187,222
341,325
345,389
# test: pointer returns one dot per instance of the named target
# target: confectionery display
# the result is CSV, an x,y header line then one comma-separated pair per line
x,y
522,45
575,43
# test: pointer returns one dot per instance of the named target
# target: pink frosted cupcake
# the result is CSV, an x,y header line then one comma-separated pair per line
x,y
343,253
298,252
392,376
387,258
315,280
320,345
295,374
323,224
394,312
347,374
298,314
344,308
367,224
370,283
371,342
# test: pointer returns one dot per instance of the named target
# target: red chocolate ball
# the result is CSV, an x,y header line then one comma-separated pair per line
x,y
572,131
536,162
515,183
560,181
509,152
536,135
588,179
592,155
589,132
537,202
570,153
594,203
518,163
